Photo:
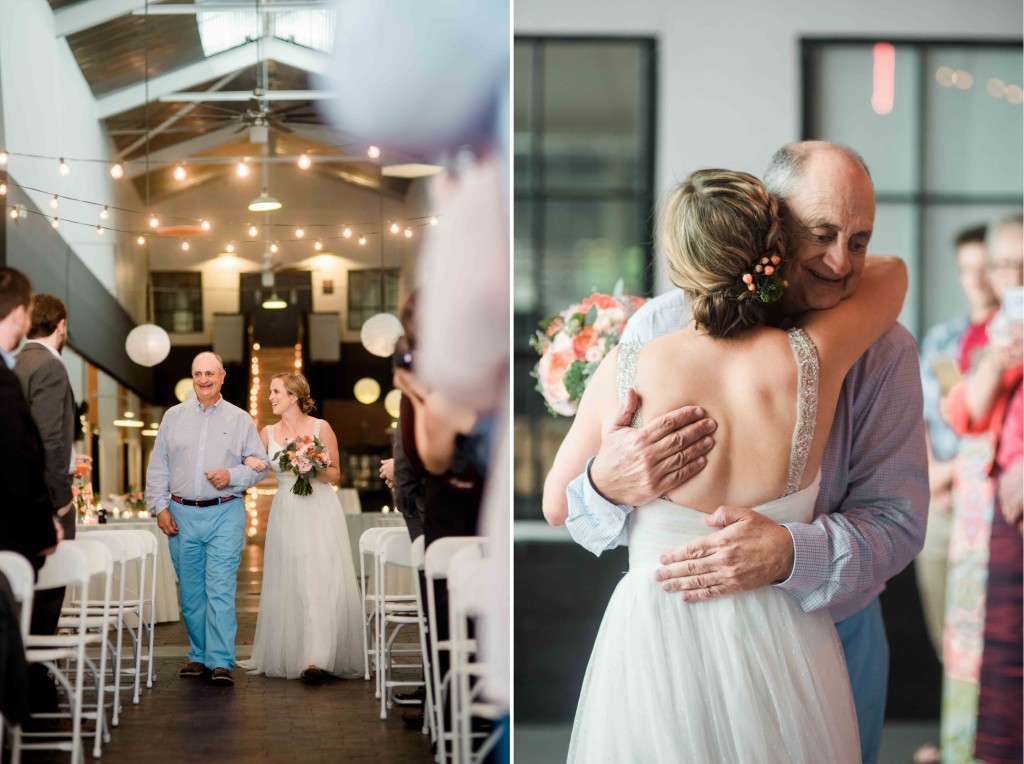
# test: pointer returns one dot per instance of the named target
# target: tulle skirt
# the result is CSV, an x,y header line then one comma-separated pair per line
x,y
742,678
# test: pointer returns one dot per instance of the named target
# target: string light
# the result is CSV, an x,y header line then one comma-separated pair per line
x,y
205,225
99,229
63,168
185,246
273,248
299,233
433,220
3,189
153,222
117,171
229,248
104,213
54,202
4,157
55,223
347,233
395,228
373,152
362,240
141,240
242,169
253,231
179,172
14,213
408,233
305,162
318,245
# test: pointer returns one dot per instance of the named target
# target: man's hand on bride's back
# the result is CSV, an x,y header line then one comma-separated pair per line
x,y
636,465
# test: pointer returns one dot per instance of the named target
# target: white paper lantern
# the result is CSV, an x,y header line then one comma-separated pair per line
x,y
380,333
392,401
147,344
183,390
367,390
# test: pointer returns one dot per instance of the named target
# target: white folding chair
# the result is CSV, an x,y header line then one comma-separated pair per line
x,y
19,574
435,568
396,550
368,545
74,563
466,601
421,611
152,559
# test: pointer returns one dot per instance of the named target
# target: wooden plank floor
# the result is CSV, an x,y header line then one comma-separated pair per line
x,y
259,719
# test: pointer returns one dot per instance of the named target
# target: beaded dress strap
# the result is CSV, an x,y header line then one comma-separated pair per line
x,y
806,406
316,428
625,374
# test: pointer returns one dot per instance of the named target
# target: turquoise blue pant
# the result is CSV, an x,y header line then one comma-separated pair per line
x,y
206,553
867,660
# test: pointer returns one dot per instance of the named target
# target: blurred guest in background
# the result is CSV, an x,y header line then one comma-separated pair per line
x,y
942,364
989,404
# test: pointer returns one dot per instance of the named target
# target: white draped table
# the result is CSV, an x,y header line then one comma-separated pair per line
x,y
167,608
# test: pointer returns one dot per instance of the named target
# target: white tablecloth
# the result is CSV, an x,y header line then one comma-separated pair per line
x,y
397,581
349,498
166,590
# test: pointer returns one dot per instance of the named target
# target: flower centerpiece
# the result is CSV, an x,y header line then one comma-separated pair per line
x,y
573,343
134,500
305,456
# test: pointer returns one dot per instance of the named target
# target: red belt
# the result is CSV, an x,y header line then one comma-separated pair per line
x,y
203,502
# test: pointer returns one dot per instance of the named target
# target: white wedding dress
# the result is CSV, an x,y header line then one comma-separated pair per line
x,y
744,678
310,611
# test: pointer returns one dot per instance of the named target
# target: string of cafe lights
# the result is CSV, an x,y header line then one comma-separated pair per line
x,y
962,79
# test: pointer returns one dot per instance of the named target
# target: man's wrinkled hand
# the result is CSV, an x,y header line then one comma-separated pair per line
x,y
635,466
218,478
165,522
749,551
387,472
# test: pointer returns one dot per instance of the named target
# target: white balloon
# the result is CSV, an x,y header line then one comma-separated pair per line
x,y
380,333
147,344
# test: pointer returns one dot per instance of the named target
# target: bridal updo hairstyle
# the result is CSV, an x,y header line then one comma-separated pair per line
x,y
297,385
715,226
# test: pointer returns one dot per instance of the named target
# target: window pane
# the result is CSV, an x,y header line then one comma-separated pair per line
x,y
844,114
975,138
593,125
524,284
896,234
522,112
589,245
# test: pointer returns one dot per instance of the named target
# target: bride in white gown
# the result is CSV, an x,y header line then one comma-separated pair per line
x,y
310,618
746,677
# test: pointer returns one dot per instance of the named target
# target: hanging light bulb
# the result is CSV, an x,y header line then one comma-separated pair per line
x,y
55,223
299,233
362,240
141,240
253,231
433,220
305,162
14,213
205,225
395,228
153,222
318,245
373,152
408,233
3,157
347,233
3,189
99,229
117,171
54,201
63,168
179,172
229,248
273,248
185,246
104,213
242,169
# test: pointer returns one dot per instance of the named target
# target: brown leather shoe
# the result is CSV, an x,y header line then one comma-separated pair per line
x,y
192,669
222,677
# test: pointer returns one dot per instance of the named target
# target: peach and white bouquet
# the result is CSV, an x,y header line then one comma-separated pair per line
x,y
573,343
305,456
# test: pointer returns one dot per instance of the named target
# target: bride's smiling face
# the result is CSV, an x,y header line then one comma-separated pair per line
x,y
280,399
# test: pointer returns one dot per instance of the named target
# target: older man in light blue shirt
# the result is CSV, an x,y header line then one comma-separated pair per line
x,y
871,510
194,486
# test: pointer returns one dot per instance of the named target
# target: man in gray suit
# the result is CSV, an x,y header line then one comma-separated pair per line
x,y
48,390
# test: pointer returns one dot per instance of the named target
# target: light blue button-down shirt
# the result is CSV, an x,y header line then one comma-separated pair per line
x,y
192,441
872,507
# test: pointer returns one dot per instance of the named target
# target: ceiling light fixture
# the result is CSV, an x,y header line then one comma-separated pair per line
x,y
274,303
